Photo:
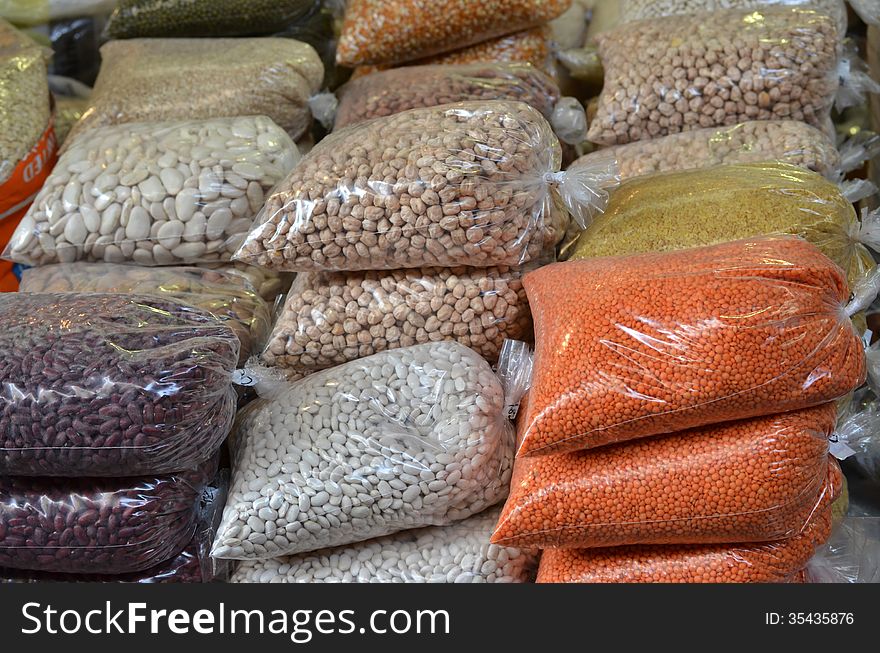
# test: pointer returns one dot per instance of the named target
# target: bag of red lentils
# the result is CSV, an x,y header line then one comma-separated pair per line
x,y
752,480
769,562
632,346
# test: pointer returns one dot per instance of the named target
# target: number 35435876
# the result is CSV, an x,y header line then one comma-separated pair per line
x,y
809,618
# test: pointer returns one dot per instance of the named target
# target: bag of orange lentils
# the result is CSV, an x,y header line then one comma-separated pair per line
x,y
632,346
752,480
770,562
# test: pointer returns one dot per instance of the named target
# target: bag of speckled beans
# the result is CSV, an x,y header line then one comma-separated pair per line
x,y
694,208
769,562
336,317
752,480
456,553
755,141
685,339
110,384
155,193
669,75
169,18
99,525
227,295
153,80
395,31
412,437
471,183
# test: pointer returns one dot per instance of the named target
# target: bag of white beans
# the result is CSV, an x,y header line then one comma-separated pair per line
x,y
457,553
407,438
471,183
155,193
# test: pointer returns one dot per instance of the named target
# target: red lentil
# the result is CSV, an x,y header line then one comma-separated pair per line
x,y
633,346
771,562
748,481
393,31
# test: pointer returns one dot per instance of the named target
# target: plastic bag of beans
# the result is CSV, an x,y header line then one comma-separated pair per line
x,y
457,553
769,562
332,318
38,12
755,141
98,526
632,346
472,183
181,18
394,31
746,481
110,385
153,80
225,294
694,208
192,565
155,193
401,439
668,75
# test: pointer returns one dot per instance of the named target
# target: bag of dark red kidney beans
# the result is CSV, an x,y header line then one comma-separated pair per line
x,y
111,384
192,565
99,525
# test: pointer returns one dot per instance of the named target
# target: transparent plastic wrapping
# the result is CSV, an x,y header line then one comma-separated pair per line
x,y
183,18
631,10
153,80
332,318
394,31
669,75
755,141
857,437
472,183
38,12
684,339
98,526
225,294
407,438
694,208
770,562
155,193
192,565
270,285
747,481
110,385
456,553
852,555
68,111
24,98
392,91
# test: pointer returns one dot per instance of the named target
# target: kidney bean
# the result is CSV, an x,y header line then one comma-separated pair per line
x,y
111,384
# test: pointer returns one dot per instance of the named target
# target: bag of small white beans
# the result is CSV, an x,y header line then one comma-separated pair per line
x,y
155,193
457,553
407,438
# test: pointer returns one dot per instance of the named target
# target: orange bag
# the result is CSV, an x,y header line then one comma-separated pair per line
x,y
631,346
771,562
749,481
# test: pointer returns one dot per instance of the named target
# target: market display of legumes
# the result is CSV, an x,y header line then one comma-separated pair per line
x,y
510,291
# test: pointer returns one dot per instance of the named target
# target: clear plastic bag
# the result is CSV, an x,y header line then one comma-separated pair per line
x,y
183,18
668,75
852,555
456,553
38,12
98,526
153,80
388,92
407,438
747,481
394,31
225,294
755,141
695,208
333,318
771,562
270,285
684,339
155,193
472,183
858,434
192,565
110,385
